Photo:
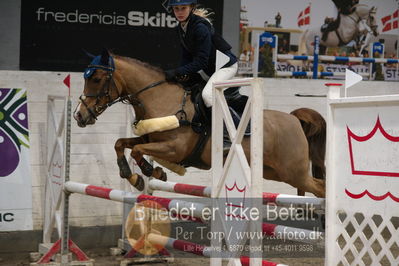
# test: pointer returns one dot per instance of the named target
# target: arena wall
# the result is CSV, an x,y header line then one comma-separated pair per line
x,y
93,160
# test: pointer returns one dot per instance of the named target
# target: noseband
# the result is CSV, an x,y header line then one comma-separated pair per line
x,y
130,98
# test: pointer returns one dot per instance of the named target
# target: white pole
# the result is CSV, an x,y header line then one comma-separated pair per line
x,y
255,65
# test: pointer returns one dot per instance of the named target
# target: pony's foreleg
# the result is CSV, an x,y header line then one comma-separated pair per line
x,y
300,192
164,150
124,169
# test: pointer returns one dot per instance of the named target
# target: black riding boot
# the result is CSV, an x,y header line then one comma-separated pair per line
x,y
324,31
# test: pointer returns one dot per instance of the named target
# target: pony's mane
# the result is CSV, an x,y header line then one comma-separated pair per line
x,y
138,62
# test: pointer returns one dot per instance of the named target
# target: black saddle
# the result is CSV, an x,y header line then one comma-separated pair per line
x,y
202,120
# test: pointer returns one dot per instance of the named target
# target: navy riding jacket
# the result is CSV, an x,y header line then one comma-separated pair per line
x,y
199,44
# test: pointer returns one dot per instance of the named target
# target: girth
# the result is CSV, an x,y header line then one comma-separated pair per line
x,y
201,125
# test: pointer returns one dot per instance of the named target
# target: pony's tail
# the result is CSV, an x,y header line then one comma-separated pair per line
x,y
314,127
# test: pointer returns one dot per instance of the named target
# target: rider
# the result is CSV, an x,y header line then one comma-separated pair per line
x,y
344,7
199,43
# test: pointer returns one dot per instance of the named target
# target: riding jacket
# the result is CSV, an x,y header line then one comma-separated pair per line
x,y
199,43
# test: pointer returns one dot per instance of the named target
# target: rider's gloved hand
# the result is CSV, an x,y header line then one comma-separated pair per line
x,y
170,75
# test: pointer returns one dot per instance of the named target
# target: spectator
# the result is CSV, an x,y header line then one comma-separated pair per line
x,y
278,20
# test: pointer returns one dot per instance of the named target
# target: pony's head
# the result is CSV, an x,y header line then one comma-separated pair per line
x,y
369,15
99,90
372,21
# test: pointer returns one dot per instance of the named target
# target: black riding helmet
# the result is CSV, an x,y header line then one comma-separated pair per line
x,y
182,2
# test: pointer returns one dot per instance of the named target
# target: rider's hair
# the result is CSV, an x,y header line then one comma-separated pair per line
x,y
204,12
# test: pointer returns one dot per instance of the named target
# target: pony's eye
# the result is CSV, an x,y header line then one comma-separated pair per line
x,y
96,80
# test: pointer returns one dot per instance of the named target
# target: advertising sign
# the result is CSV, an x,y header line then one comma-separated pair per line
x,y
267,38
15,179
55,34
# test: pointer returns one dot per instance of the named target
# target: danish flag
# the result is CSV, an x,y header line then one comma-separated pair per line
x,y
390,22
304,17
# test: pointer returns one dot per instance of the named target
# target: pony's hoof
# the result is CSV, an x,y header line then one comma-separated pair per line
x,y
158,173
137,181
164,177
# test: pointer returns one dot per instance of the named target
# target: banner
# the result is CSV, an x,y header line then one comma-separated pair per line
x,y
55,34
390,22
15,178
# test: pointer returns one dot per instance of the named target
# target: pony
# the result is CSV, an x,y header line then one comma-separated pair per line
x,y
111,78
362,22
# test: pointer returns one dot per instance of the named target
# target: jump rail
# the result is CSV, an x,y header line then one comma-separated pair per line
x,y
338,59
204,191
310,74
268,229
316,58
197,249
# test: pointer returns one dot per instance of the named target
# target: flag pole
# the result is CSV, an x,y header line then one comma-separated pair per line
x,y
397,55
67,82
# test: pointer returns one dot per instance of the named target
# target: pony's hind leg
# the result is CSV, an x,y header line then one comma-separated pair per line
x,y
297,175
303,181
315,186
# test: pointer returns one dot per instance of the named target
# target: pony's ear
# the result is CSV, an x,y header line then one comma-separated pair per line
x,y
105,57
91,56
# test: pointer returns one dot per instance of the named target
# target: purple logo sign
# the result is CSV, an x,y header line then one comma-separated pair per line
x,y
13,129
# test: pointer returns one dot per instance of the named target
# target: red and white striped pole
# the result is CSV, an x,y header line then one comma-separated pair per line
x,y
293,233
130,197
197,249
101,192
203,191
285,199
194,190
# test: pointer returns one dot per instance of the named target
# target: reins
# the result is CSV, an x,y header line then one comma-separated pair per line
x,y
132,98
129,98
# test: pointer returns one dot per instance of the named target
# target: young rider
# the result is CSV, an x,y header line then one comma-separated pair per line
x,y
345,7
199,43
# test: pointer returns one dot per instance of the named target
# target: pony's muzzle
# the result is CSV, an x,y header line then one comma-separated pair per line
x,y
84,116
77,115
375,31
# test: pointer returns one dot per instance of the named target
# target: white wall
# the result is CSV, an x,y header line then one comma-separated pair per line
x,y
93,159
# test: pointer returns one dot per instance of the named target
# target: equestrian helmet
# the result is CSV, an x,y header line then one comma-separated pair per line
x,y
182,2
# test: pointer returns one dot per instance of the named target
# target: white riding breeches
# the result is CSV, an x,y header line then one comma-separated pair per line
x,y
221,74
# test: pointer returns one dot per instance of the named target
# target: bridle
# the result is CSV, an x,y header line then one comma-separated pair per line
x,y
105,92
371,19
